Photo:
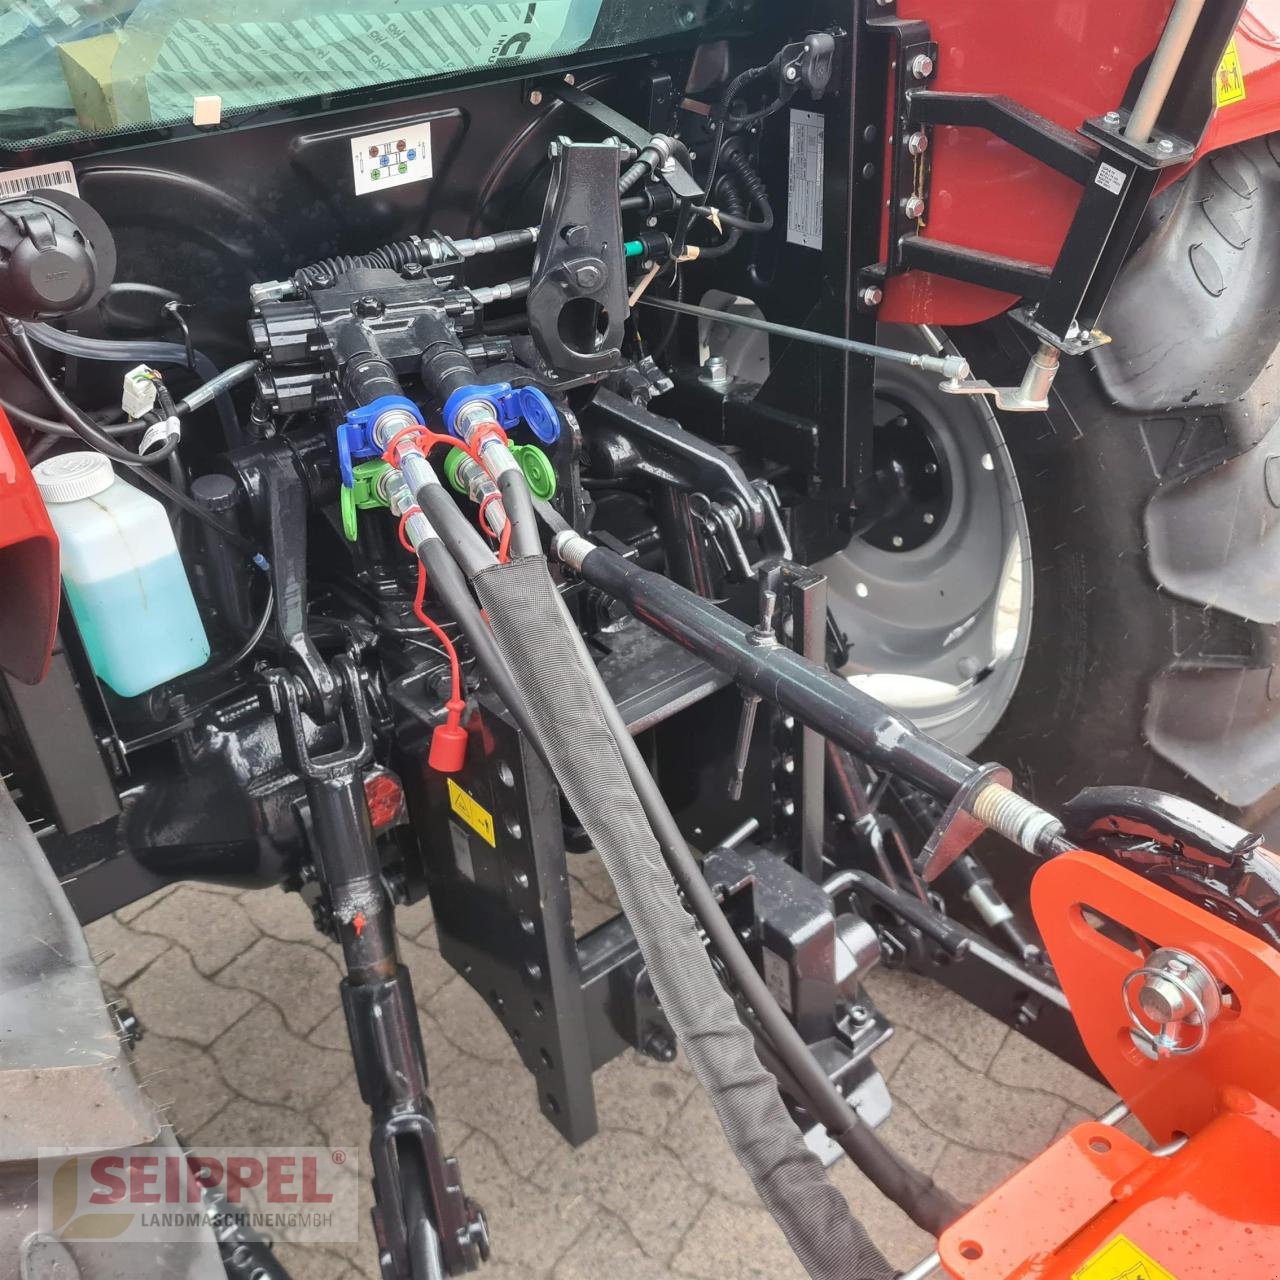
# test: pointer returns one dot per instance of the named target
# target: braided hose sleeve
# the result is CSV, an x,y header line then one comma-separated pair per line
x,y
540,644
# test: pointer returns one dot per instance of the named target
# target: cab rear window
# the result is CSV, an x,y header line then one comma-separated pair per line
x,y
72,68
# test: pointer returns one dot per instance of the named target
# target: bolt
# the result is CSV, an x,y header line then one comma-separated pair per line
x,y
871,296
1165,145
588,276
413,271
884,4
535,97
1112,118
928,517
367,306
788,808
791,73
918,143
715,371
651,222
660,1046
913,206
922,66
570,78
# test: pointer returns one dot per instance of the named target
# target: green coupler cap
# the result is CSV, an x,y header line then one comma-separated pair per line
x,y
364,493
451,464
537,469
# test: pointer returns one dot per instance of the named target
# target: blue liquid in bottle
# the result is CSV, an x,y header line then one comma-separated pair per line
x,y
140,628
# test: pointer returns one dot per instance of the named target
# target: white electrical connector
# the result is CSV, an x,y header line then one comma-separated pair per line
x,y
139,395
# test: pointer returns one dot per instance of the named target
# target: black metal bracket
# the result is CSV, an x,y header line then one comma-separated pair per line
x,y
1118,177
957,829
1032,134
678,178
578,286
280,504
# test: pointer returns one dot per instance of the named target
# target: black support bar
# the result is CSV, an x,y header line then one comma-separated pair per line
x,y
1038,137
1009,275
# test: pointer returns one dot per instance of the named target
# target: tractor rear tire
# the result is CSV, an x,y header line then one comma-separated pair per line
x,y
1152,496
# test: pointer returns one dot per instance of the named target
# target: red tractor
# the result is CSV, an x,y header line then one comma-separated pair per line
x,y
439,441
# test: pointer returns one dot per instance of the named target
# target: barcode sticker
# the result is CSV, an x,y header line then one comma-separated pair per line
x,y
1110,178
17,182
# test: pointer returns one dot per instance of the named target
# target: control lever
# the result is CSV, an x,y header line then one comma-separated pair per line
x,y
1031,395
763,636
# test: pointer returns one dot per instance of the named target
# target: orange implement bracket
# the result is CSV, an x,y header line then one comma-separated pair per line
x,y
1096,1205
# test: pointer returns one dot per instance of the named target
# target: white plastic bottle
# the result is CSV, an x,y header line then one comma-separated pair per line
x,y
123,575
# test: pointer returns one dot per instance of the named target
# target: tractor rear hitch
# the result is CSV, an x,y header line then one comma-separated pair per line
x,y
424,1223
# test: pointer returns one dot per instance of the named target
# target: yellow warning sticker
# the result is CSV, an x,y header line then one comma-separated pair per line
x,y
1230,78
1121,1259
472,812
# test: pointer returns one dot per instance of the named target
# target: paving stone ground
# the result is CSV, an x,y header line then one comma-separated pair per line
x,y
245,1043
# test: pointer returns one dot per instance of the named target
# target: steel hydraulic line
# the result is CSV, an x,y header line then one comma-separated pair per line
x,y
949,367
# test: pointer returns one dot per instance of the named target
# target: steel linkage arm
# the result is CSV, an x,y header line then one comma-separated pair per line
x,y
426,1226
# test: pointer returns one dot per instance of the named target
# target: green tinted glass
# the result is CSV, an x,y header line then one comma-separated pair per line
x,y
74,67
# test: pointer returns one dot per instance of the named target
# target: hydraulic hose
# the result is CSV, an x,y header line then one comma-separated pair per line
x,y
534,633
518,503
449,584
927,1205
465,544
140,352
96,438
218,385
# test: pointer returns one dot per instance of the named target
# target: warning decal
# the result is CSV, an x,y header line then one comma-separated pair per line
x,y
1121,1259
1229,84
472,812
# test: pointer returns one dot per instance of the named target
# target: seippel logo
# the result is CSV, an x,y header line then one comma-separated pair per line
x,y
154,1194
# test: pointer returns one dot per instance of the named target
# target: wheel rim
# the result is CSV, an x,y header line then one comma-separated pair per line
x,y
936,597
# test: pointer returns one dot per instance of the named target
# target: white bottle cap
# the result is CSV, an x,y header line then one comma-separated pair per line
x,y
71,476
